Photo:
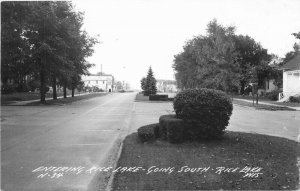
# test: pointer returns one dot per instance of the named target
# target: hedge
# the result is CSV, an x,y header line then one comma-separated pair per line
x,y
148,132
158,97
171,128
206,112
294,99
273,95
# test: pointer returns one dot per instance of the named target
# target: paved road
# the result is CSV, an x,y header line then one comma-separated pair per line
x,y
81,135
88,133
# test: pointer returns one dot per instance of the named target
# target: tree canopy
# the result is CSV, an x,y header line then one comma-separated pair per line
x,y
43,40
220,60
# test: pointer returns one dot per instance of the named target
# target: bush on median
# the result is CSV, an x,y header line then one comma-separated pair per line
x,y
171,128
148,132
158,97
205,112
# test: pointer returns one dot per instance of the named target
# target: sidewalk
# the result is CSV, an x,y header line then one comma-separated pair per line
x,y
23,103
265,103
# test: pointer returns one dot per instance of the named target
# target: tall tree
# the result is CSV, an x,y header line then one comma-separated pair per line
x,y
290,55
150,83
219,60
208,61
15,49
251,57
56,47
297,35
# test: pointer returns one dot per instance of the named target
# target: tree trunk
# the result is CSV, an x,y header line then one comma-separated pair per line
x,y
73,91
65,91
54,87
242,88
42,87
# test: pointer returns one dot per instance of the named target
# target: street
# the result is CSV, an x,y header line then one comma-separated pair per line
x,y
87,134
82,134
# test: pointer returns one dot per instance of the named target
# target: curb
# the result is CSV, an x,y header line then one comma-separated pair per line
x,y
112,176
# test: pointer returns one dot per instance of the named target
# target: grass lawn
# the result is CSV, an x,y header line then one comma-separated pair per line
x,y
141,97
26,96
213,165
23,96
262,106
67,100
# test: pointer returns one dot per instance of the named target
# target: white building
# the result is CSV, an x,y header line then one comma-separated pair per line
x,y
166,86
291,78
102,82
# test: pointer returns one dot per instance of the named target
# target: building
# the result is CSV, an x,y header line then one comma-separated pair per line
x,y
269,84
98,82
291,78
166,85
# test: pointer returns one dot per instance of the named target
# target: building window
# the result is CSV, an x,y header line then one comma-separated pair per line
x,y
103,82
96,81
297,74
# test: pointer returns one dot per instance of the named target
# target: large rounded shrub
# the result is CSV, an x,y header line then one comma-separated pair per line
x,y
205,111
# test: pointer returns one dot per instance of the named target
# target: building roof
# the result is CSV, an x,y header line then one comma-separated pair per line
x,y
293,64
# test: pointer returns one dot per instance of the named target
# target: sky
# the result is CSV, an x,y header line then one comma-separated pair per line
x,y
137,34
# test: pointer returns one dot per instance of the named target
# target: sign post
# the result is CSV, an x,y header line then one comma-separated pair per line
x,y
255,91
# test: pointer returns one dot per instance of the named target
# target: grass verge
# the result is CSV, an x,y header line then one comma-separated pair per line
x,y
67,100
265,99
141,97
262,106
212,164
26,96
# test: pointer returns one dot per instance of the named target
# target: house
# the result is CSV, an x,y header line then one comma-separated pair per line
x,y
166,86
269,83
291,78
102,82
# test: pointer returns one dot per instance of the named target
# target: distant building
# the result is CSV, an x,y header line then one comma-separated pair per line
x,y
166,85
291,78
99,82
269,83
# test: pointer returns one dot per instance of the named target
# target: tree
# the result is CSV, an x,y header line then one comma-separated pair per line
x,y
208,61
143,83
15,50
219,60
297,35
51,45
150,83
251,57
